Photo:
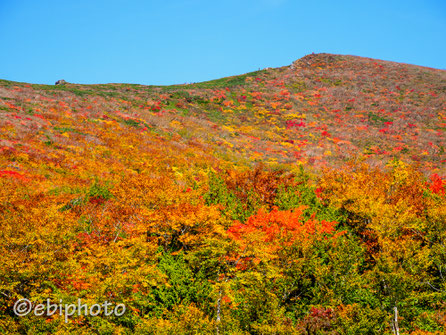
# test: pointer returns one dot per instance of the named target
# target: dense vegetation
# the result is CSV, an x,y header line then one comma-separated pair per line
x,y
302,200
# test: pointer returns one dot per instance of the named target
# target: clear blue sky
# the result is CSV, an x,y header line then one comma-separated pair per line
x,y
178,41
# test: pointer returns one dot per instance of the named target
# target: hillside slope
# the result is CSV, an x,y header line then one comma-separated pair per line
x,y
307,199
322,110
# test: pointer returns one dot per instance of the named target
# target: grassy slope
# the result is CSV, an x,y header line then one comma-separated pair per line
x,y
321,111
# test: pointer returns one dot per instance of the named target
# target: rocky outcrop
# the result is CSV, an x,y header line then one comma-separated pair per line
x,y
61,82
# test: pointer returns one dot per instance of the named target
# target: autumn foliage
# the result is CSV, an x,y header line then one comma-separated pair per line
x,y
308,199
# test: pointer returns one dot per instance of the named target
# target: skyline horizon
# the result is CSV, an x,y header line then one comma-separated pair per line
x,y
233,75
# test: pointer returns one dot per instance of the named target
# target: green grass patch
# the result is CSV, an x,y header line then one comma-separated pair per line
x,y
228,81
374,118
131,122
68,129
